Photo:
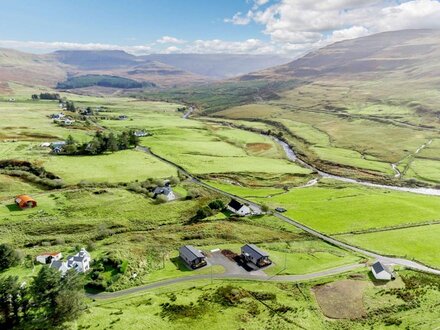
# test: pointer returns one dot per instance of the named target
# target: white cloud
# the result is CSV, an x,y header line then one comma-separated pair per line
x,y
294,27
170,40
239,19
44,47
297,24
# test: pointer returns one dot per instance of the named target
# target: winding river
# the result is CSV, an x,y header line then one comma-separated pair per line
x,y
292,157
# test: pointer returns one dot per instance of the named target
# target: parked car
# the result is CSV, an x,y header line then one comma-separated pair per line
x,y
280,209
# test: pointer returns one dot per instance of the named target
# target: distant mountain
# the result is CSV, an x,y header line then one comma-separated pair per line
x,y
218,66
399,67
30,69
412,53
162,70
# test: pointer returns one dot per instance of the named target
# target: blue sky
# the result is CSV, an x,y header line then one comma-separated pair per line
x,y
288,27
122,22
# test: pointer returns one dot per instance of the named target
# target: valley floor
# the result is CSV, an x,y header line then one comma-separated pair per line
x,y
102,202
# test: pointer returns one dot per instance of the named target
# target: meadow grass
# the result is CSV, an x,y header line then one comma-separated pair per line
x,y
121,166
425,170
419,243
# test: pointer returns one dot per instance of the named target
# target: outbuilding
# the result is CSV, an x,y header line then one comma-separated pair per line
x,y
192,257
47,258
238,208
165,191
25,202
382,272
251,253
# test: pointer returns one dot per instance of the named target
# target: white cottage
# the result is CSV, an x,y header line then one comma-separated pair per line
x,y
381,271
80,262
238,208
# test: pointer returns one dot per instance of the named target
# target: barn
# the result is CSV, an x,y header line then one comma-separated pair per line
x,y
25,201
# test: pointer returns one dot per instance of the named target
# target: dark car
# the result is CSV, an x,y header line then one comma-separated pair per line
x,y
280,209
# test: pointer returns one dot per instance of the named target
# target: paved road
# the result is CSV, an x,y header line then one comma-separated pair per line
x,y
385,259
226,276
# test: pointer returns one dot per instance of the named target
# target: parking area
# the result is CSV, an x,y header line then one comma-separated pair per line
x,y
231,263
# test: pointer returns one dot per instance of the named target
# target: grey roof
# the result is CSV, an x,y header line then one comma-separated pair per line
x,y
162,190
57,264
190,252
379,267
236,205
254,251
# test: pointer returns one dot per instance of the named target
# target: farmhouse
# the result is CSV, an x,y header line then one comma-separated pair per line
x,y
80,262
47,258
253,254
238,208
192,257
382,272
25,201
166,191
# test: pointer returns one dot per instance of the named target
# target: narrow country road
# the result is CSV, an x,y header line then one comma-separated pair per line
x,y
387,260
226,276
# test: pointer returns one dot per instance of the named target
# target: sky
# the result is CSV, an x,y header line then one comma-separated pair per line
x,y
286,27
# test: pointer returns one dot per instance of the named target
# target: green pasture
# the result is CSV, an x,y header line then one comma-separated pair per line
x,y
334,207
216,149
121,166
418,243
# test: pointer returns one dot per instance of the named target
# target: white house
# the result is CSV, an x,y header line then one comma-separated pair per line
x,y
80,262
166,191
381,271
47,258
238,208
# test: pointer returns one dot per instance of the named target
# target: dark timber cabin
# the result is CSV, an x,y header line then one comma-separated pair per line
x,y
253,254
192,257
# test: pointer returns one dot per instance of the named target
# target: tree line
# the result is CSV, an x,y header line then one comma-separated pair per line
x,y
50,300
101,143
46,96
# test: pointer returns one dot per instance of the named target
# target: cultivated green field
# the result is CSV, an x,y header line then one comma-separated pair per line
x,y
419,243
123,166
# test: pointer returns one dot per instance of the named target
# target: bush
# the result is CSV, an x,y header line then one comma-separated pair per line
x,y
217,205
203,213
9,257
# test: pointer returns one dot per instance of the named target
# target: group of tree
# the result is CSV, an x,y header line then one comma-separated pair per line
x,y
208,210
47,302
46,96
101,143
9,257
70,106
103,81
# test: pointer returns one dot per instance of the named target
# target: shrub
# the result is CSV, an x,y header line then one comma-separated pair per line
x,y
217,204
8,256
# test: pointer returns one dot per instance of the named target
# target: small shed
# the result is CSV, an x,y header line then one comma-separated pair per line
x,y
238,208
47,258
25,201
251,253
192,257
382,272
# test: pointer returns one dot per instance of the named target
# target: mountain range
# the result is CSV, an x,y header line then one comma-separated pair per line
x,y
162,70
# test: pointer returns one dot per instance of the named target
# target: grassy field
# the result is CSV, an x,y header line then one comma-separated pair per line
x,y
419,243
338,207
343,137
217,149
250,305
122,166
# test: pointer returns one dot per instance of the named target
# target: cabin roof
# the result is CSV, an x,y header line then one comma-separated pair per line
x,y
190,252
